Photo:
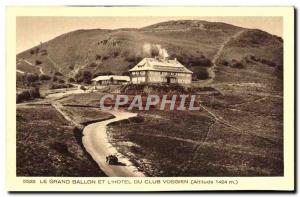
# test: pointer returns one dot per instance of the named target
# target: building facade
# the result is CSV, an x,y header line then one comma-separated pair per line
x,y
155,70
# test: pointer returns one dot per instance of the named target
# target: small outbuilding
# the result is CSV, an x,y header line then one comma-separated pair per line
x,y
110,80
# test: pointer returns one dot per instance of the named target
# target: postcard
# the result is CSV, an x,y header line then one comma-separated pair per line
x,y
150,99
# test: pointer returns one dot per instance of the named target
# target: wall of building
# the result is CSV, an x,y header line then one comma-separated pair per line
x,y
159,77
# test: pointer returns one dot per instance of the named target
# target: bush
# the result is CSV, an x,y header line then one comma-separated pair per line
x,y
104,57
23,96
61,81
44,77
82,88
31,51
202,74
71,67
54,78
83,76
38,62
58,74
28,94
224,63
32,77
237,64
199,61
93,64
71,80
126,73
98,57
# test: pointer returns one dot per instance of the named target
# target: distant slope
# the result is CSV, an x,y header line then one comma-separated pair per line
x,y
192,42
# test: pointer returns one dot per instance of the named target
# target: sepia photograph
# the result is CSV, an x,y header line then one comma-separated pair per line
x,y
149,96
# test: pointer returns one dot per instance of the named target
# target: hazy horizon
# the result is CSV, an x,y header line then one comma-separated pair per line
x,y
31,30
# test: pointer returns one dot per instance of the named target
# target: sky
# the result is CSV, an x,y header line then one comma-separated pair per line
x,y
31,30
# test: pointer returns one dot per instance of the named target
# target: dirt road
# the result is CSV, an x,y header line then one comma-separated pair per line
x,y
96,144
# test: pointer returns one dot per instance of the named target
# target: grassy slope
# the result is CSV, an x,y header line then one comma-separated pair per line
x,y
117,48
194,144
40,146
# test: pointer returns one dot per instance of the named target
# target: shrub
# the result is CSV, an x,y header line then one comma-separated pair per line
x,y
199,61
104,57
126,73
71,67
44,77
98,57
83,76
38,62
71,80
28,94
237,64
54,78
93,64
61,81
23,96
58,74
32,77
31,51
34,92
82,88
224,63
202,74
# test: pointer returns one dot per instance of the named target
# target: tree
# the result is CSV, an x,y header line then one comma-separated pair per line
x,y
83,76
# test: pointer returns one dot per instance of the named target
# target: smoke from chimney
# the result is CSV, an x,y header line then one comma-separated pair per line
x,y
152,50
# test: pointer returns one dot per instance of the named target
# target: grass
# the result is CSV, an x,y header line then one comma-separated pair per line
x,y
247,142
27,68
86,99
47,150
85,116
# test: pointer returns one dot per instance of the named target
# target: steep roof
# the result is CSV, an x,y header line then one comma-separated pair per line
x,y
108,77
156,64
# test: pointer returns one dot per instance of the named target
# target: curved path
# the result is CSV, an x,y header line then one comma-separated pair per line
x,y
96,144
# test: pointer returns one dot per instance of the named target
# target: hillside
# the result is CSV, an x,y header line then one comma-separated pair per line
x,y
194,43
